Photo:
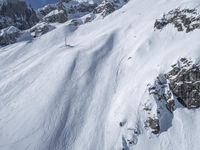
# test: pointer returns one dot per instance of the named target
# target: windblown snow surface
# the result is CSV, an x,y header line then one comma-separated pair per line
x,y
54,97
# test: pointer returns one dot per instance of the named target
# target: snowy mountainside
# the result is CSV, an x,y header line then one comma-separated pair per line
x,y
89,94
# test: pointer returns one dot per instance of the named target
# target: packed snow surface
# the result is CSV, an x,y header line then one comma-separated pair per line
x,y
57,97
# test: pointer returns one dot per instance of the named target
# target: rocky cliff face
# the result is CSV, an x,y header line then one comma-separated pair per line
x,y
180,87
17,14
184,82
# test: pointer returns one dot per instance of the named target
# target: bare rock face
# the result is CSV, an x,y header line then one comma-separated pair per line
x,y
9,35
180,87
184,81
17,14
182,19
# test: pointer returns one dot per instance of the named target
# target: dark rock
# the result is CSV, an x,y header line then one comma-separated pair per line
x,y
9,35
105,8
59,16
185,83
154,125
17,14
46,10
183,20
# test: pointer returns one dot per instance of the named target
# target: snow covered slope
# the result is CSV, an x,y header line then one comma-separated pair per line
x,y
57,97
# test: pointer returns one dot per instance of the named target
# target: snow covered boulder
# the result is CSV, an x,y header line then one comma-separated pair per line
x,y
41,28
59,16
9,35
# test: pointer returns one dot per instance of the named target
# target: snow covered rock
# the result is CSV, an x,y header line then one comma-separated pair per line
x,y
182,19
105,8
76,22
56,16
41,12
18,14
153,123
109,6
9,35
178,88
41,28
184,81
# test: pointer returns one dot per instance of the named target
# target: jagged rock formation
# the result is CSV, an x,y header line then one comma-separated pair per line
x,y
9,35
183,20
105,8
153,123
59,16
179,87
64,10
18,14
41,12
184,81
109,6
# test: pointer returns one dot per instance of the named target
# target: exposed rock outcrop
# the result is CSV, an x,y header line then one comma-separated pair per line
x,y
184,82
153,123
59,16
40,29
105,8
109,6
182,19
9,35
180,87
18,14
41,12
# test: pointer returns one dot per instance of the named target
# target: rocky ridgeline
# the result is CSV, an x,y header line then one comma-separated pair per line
x,y
182,19
17,14
180,87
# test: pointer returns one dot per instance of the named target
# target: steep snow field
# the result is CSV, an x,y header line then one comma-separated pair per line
x,y
54,97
